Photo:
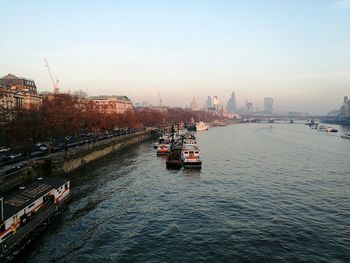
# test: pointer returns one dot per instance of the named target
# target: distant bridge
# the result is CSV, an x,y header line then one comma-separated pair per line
x,y
281,117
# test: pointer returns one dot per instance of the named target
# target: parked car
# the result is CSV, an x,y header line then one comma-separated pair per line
x,y
43,148
15,155
4,149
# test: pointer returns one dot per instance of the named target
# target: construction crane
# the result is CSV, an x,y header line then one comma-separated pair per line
x,y
160,99
54,81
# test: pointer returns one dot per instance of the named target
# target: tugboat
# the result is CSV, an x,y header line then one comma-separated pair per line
x,y
173,159
190,156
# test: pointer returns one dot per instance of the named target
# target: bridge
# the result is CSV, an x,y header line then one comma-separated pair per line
x,y
262,117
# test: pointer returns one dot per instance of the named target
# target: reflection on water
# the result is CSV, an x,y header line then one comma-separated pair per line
x,y
262,195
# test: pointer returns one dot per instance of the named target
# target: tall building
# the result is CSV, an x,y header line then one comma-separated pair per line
x,y
194,104
216,103
248,106
232,105
344,111
268,103
20,93
111,104
208,103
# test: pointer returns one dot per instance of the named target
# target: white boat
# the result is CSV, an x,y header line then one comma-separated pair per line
x,y
322,128
189,138
163,149
201,126
332,129
190,156
346,135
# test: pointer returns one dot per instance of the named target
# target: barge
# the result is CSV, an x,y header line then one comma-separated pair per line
x,y
25,210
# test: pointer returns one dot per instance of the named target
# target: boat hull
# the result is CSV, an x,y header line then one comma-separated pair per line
x,y
174,164
194,165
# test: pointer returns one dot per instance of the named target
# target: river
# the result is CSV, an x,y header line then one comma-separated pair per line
x,y
262,195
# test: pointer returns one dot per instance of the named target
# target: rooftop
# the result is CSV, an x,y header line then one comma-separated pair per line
x,y
10,76
21,198
105,97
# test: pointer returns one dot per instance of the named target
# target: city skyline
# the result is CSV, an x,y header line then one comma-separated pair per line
x,y
295,52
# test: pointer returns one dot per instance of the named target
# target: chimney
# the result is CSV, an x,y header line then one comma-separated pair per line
x,y
1,210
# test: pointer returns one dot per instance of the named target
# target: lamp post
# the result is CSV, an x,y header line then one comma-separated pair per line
x,y
66,139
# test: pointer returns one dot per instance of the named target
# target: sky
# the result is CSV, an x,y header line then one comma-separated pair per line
x,y
296,51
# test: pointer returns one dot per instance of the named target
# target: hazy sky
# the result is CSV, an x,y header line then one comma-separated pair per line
x,y
296,51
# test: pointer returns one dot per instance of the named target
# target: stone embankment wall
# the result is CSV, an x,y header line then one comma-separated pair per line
x,y
90,153
62,163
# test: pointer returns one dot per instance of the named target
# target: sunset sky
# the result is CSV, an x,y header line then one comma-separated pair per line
x,y
296,51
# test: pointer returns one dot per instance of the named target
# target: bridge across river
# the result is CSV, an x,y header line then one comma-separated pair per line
x,y
281,117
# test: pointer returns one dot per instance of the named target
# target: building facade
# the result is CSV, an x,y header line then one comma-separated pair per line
x,y
111,104
18,93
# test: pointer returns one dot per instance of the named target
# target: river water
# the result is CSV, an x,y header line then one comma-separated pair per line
x,y
263,195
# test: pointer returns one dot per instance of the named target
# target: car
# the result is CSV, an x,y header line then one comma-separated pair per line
x,y
43,148
4,149
15,155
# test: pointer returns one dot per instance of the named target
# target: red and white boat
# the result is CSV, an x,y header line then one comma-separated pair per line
x,y
23,204
190,156
163,149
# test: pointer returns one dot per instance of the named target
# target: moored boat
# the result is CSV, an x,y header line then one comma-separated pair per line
x,y
322,128
201,126
346,135
173,159
23,205
332,129
190,156
163,149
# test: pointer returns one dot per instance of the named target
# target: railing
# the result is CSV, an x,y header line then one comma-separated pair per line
x,y
60,146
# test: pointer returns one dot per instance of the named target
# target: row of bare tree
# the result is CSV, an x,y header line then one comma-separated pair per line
x,y
72,114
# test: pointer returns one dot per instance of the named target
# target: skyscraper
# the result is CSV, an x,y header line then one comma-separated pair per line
x,y
268,103
232,105
208,103
216,103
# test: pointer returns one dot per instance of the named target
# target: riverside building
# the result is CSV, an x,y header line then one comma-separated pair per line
x,y
111,104
18,93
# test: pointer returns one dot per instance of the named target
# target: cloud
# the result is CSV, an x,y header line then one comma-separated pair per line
x,y
340,4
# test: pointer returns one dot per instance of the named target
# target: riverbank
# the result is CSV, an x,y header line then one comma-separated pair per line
x,y
61,163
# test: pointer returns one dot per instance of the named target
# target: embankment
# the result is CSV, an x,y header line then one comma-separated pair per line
x,y
61,163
